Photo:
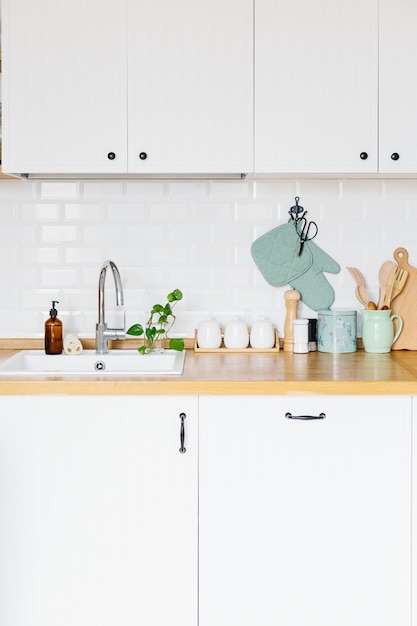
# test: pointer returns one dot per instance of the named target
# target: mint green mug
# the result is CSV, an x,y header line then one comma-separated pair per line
x,y
378,330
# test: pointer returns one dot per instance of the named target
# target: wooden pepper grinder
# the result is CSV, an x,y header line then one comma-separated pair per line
x,y
292,297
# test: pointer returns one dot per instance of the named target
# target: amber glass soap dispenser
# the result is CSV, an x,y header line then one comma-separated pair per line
x,y
53,332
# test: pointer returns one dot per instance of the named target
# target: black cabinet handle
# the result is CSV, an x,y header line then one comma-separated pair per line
x,y
395,156
143,156
182,449
363,156
111,156
290,416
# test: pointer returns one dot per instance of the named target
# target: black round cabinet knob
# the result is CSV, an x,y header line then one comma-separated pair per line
x,y
143,156
363,156
111,156
395,156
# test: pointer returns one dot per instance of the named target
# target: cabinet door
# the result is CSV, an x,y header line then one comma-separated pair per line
x,y
64,69
414,512
305,522
398,86
316,86
190,86
98,521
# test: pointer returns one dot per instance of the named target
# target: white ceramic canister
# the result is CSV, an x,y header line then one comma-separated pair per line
x,y
262,334
209,334
336,330
301,336
236,334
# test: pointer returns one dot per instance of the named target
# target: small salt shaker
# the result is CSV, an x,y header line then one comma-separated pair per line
x,y
301,336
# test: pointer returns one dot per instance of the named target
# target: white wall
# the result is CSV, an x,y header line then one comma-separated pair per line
x,y
195,236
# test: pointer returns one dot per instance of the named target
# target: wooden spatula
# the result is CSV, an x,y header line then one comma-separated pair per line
x,y
399,282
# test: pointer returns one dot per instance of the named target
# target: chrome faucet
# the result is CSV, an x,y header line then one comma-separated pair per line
x,y
104,334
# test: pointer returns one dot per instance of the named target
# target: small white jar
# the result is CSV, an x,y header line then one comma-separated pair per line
x,y
209,334
262,334
236,334
301,336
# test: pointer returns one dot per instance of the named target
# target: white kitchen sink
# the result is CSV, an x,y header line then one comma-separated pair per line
x,y
126,362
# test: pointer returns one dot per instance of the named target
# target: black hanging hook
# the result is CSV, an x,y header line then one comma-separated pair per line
x,y
297,210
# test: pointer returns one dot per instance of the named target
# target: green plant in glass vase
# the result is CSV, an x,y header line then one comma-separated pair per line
x,y
160,322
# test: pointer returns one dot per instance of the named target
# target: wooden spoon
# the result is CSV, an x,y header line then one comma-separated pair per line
x,y
362,295
383,274
389,286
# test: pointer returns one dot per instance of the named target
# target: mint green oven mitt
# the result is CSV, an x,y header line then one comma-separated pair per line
x,y
275,254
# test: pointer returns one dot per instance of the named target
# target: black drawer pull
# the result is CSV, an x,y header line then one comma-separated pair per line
x,y
182,449
290,416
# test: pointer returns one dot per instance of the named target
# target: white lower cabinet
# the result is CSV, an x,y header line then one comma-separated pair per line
x,y
114,510
305,522
98,511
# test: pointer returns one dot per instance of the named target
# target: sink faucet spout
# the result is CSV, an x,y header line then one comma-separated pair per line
x,y
104,334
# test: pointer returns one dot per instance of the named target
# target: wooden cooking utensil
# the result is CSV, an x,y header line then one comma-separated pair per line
x,y
405,304
383,273
389,287
357,276
401,276
362,295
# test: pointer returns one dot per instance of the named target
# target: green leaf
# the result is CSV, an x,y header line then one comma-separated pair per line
x,y
150,333
136,330
142,350
176,344
163,319
160,331
174,296
157,308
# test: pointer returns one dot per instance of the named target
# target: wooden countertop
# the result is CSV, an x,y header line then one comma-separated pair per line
x,y
283,373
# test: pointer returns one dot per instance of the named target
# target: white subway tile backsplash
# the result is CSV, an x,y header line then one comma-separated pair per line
x,y
236,190
59,278
59,189
84,212
34,255
191,235
189,189
104,233
263,212
213,256
170,213
59,233
39,211
126,212
214,212
18,234
169,256
145,189
82,256
102,189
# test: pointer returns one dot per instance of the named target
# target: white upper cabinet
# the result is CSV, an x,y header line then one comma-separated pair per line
x,y
64,86
94,86
398,86
190,86
316,82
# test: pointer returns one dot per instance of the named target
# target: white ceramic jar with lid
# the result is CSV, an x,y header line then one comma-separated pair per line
x,y
236,334
262,334
209,334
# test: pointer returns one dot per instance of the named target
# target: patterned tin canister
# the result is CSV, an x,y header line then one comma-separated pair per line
x,y
336,330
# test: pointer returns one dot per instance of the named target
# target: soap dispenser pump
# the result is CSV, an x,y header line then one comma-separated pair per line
x,y
53,332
